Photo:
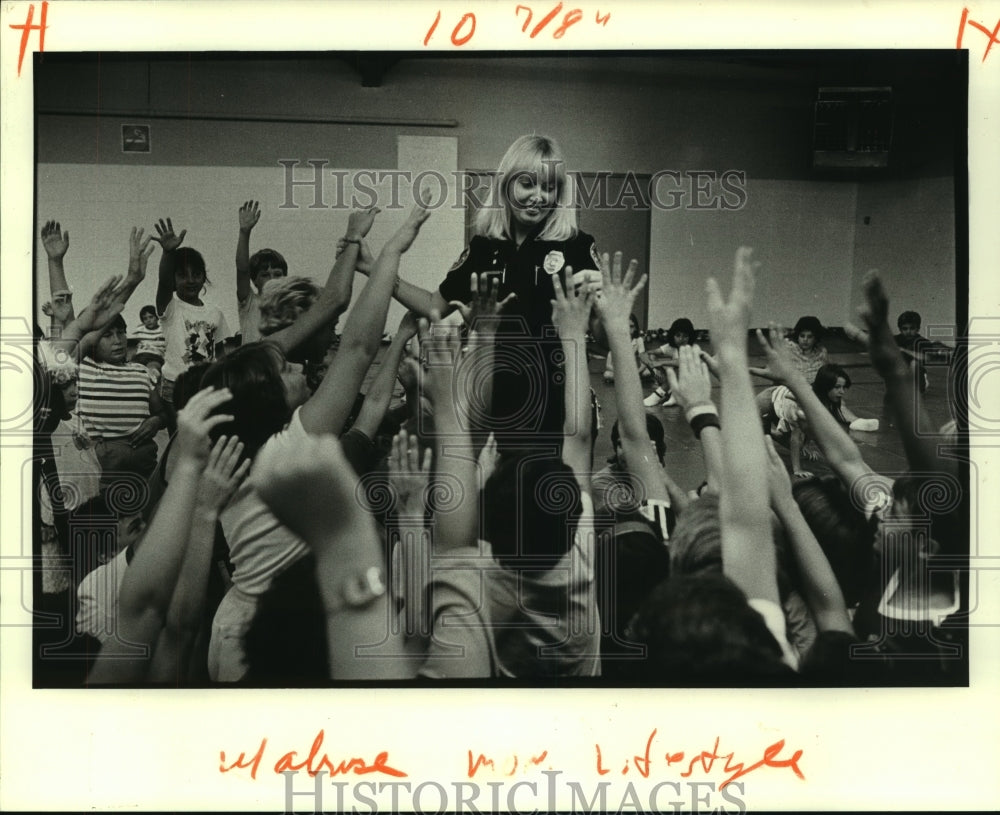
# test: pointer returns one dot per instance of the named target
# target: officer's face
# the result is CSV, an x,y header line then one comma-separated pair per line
x,y
531,197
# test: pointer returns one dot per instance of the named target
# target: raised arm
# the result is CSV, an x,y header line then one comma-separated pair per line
x,y
249,215
614,305
692,387
900,385
169,243
571,316
313,490
839,449
150,578
748,557
819,584
56,243
380,391
222,475
329,407
336,294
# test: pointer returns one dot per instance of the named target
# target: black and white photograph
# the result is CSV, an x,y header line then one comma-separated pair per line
x,y
506,378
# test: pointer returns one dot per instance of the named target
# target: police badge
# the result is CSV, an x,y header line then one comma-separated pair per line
x,y
554,261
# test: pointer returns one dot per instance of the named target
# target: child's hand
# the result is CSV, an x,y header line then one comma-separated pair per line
x,y
571,307
60,308
145,431
440,351
365,261
407,475
104,306
780,365
165,235
488,458
139,251
483,308
691,384
407,233
55,241
194,423
249,216
886,357
614,303
222,474
730,321
360,222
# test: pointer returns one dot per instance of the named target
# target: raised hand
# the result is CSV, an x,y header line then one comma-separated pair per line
x,y
249,216
440,351
55,241
223,473
571,306
780,367
483,308
103,307
691,384
729,320
139,250
360,222
407,233
165,235
614,302
887,359
407,474
195,422
488,458
778,483
60,308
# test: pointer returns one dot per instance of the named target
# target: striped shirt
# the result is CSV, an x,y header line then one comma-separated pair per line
x,y
151,341
114,399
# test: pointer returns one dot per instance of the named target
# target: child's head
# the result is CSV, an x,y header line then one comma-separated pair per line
x,y
190,275
266,264
266,389
830,385
531,507
91,550
282,301
112,347
681,332
633,324
531,188
909,323
808,332
654,428
149,317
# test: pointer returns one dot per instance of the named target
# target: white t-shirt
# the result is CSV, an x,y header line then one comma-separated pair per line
x,y
260,546
191,333
249,314
77,466
97,598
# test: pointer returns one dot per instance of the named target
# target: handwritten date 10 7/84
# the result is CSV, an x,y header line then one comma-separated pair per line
x,y
466,26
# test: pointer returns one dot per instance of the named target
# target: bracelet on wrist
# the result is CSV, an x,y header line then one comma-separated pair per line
x,y
699,408
346,239
703,420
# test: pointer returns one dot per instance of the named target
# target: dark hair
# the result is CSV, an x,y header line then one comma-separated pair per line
x,y
908,318
118,322
147,310
701,630
678,326
191,259
808,323
825,381
188,383
259,405
844,534
265,259
654,427
286,640
531,508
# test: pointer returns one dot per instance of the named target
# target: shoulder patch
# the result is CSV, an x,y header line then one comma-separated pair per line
x,y
461,259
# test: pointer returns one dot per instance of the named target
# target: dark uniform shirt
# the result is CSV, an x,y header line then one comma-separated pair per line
x,y
528,360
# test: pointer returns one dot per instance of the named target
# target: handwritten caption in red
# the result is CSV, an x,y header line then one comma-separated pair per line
x,y
28,27
990,35
709,761
465,28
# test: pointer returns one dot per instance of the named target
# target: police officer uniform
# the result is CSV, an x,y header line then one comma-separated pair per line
x,y
528,377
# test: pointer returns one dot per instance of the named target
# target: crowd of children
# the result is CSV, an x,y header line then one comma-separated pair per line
x,y
265,524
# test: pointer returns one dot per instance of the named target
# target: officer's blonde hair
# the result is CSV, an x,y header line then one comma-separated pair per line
x,y
536,155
